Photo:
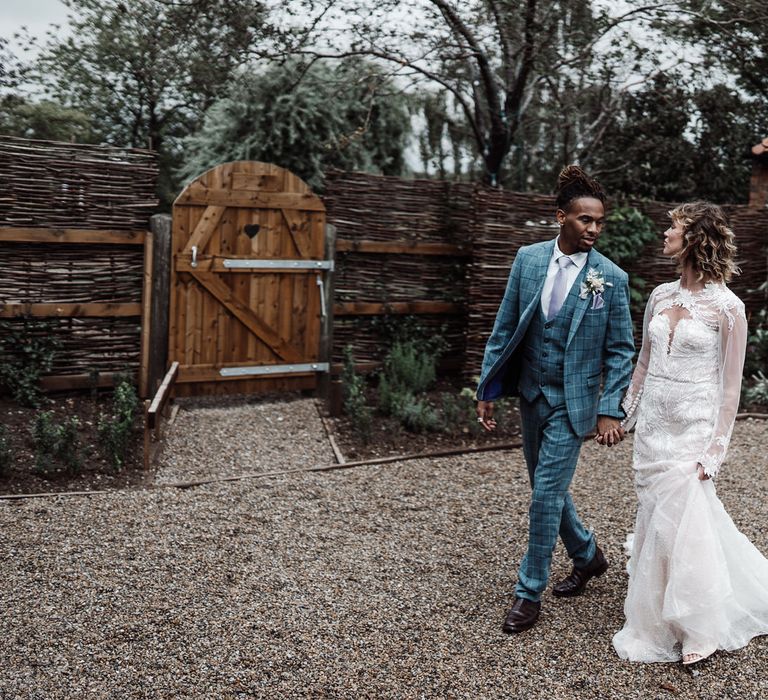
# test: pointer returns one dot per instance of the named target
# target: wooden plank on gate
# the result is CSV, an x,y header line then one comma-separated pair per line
x,y
212,373
243,314
71,235
297,226
204,229
202,196
88,309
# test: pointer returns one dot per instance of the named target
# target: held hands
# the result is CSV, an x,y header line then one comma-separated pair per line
x,y
702,475
609,431
485,415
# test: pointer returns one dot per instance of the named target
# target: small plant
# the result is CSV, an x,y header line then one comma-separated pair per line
x,y
27,350
757,345
758,392
6,452
353,396
417,415
459,412
627,232
115,429
56,442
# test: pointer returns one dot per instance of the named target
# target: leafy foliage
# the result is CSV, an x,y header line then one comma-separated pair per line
x,y
757,345
305,119
353,396
409,369
115,429
56,442
45,119
671,141
626,234
146,70
28,348
757,391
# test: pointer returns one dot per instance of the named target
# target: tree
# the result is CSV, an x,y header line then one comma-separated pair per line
x,y
306,119
492,58
43,120
146,70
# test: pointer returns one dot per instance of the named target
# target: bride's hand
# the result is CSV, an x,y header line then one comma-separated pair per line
x,y
702,475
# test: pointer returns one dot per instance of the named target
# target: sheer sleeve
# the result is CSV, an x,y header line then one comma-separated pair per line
x,y
631,401
733,344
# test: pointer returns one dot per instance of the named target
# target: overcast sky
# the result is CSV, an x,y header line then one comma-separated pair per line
x,y
36,15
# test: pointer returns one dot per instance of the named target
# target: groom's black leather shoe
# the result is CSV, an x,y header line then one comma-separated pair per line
x,y
576,583
522,616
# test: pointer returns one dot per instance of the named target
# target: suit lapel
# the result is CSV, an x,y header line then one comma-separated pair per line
x,y
581,304
540,274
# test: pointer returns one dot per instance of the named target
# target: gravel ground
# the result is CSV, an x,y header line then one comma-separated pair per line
x,y
385,581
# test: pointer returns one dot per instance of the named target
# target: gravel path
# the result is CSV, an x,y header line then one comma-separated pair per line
x,y
384,581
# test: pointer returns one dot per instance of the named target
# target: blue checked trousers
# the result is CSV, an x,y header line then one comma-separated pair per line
x,y
551,450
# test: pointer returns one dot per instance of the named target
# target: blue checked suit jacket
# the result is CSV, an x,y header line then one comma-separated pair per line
x,y
599,346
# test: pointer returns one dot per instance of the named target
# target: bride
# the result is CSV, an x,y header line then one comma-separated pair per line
x,y
696,584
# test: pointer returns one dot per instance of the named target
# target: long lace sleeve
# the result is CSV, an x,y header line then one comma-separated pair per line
x,y
631,401
733,344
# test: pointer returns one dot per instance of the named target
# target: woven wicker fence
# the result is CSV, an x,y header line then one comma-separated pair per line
x,y
423,274
489,224
72,221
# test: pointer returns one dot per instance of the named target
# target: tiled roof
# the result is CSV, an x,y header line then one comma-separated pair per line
x,y
761,148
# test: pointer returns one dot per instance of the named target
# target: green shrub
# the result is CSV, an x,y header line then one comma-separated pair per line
x,y
27,350
757,345
417,415
56,442
354,402
627,232
6,452
459,411
115,429
757,393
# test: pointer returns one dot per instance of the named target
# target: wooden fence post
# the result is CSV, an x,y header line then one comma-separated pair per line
x,y
160,226
326,328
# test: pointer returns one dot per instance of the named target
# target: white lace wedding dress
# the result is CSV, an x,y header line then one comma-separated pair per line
x,y
696,584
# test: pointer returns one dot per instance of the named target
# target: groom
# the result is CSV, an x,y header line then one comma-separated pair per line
x,y
563,327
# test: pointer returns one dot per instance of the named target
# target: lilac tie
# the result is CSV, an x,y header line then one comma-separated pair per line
x,y
560,287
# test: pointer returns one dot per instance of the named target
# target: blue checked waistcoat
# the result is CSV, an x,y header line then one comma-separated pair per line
x,y
565,358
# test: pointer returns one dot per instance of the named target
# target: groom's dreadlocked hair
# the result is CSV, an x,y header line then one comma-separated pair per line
x,y
573,183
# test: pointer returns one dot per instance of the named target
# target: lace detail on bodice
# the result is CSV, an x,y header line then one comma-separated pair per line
x,y
685,389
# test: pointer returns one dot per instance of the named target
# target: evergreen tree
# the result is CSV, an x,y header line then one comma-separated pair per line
x,y
305,119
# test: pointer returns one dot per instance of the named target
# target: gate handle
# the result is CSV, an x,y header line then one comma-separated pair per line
x,y
194,256
322,295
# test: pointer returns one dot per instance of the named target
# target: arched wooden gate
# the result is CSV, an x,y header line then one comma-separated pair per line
x,y
247,285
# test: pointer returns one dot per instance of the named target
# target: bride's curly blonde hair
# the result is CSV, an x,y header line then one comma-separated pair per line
x,y
709,241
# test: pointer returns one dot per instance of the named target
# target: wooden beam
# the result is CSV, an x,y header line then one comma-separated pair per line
x,y
71,235
190,374
163,394
215,263
298,228
198,195
146,296
245,315
204,229
69,382
401,248
363,308
85,310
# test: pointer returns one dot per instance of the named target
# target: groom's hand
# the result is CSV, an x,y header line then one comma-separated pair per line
x,y
485,415
609,431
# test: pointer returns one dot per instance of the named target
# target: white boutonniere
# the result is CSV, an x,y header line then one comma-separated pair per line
x,y
594,283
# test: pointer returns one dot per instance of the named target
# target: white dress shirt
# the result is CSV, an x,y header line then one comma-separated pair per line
x,y
578,259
